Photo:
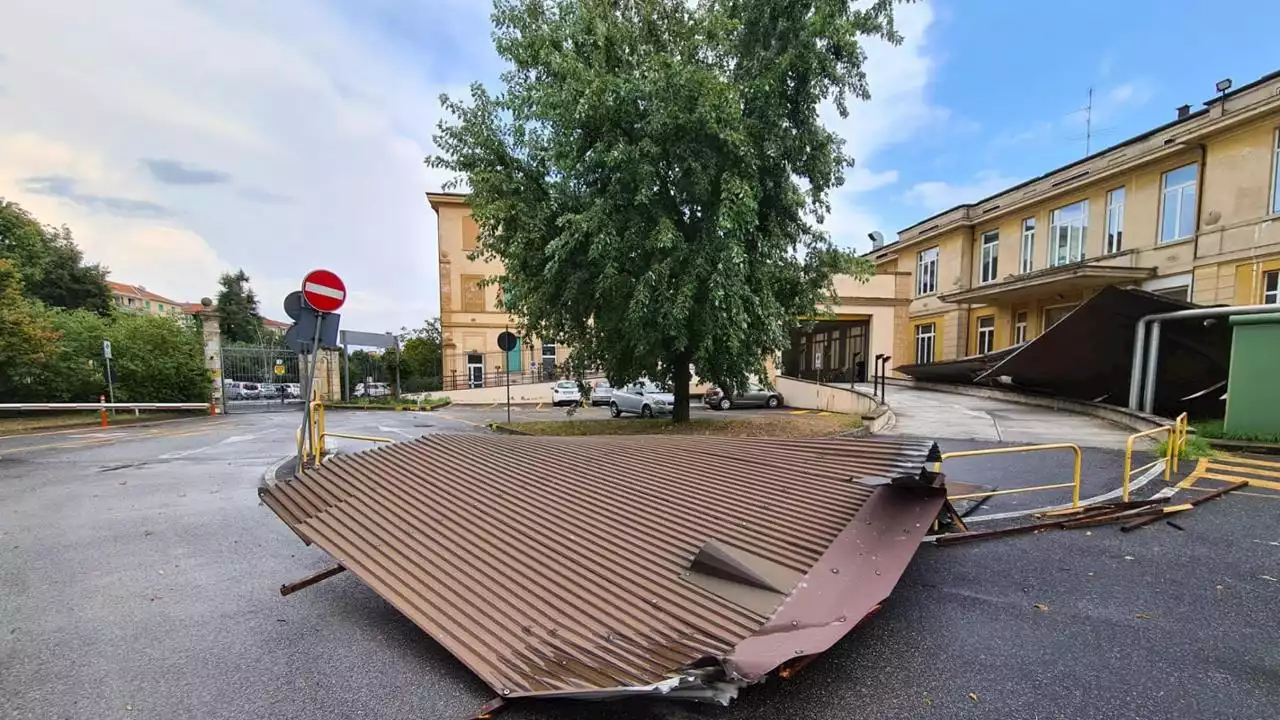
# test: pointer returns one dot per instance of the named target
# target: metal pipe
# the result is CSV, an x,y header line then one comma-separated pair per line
x,y
1153,366
1139,347
1135,371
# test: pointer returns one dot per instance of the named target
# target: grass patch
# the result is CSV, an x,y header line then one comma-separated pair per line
x,y
32,422
782,426
1216,428
1195,447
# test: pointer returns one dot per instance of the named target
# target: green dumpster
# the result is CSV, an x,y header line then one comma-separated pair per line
x,y
1253,387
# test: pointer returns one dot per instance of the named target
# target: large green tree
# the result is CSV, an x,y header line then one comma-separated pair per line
x,y
238,314
50,263
653,174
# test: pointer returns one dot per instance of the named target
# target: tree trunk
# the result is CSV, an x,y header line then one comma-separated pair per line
x,y
680,377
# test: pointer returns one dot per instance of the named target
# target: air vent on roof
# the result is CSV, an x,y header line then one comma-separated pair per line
x,y
990,208
1069,178
929,229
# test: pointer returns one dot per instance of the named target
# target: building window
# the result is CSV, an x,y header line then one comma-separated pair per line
x,y
927,272
989,256
1068,227
1271,288
1020,328
986,334
1177,292
1028,245
1115,219
1275,176
925,337
148,304
1178,204
1054,315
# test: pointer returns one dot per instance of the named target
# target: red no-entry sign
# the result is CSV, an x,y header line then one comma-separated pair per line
x,y
323,291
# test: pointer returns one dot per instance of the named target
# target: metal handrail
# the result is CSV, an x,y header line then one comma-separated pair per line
x,y
1176,441
1074,484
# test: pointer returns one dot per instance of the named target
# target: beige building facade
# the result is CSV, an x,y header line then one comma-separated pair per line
x,y
470,316
1189,210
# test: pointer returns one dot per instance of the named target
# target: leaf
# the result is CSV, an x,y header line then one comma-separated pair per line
x,y
1142,616
973,697
1041,607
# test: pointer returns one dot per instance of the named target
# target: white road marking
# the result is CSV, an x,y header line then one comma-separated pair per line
x,y
98,435
325,291
236,439
384,428
184,453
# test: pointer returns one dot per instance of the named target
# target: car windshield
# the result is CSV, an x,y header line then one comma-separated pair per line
x,y
652,387
567,385
602,384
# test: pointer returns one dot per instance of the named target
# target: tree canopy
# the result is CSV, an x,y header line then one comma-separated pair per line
x,y
50,264
25,342
238,315
654,173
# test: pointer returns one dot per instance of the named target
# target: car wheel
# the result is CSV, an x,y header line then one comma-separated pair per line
x,y
646,412
725,403
773,401
614,411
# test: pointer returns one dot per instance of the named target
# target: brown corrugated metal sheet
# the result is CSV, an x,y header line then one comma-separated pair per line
x,y
567,565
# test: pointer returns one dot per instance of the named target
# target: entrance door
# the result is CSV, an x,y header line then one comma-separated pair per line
x,y
475,370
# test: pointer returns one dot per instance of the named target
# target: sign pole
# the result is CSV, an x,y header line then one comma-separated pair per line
x,y
311,383
111,386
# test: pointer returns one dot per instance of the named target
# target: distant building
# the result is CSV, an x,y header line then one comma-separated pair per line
x,y
138,299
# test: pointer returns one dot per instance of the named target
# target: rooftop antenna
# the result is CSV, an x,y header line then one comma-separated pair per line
x,y
1088,124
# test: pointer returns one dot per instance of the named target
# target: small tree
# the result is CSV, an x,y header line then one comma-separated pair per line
x,y
653,173
420,361
238,314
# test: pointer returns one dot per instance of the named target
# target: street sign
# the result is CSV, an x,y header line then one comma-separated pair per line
x,y
106,349
299,335
293,305
279,368
323,291
507,341
367,339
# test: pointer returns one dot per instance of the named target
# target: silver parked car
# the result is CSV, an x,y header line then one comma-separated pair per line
x,y
755,396
644,398
601,393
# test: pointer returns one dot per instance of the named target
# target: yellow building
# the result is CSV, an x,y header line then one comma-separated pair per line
x,y
470,319
1189,210
138,299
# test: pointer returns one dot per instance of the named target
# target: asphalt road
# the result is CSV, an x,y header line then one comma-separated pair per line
x,y
139,578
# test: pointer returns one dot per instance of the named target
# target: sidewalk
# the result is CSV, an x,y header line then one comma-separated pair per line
x,y
927,413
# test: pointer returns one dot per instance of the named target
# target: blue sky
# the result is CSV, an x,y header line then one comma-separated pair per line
x,y
183,138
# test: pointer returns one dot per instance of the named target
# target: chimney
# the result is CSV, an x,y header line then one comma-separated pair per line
x,y
877,240
1183,111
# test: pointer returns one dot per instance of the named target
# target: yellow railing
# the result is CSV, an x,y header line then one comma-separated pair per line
x,y
319,433
1075,479
1176,440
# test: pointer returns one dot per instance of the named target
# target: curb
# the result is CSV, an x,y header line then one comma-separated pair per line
x,y
388,408
504,430
1245,446
269,475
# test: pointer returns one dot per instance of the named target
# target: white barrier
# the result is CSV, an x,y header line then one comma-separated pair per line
x,y
21,407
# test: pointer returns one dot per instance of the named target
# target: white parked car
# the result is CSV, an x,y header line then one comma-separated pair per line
x,y
566,392
373,390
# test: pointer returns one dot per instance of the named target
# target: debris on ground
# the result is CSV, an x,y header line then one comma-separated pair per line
x,y
702,568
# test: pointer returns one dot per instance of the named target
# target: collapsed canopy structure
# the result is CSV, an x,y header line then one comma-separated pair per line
x,y
603,566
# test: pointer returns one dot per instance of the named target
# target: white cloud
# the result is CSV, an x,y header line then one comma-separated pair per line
x,y
313,126
936,195
899,110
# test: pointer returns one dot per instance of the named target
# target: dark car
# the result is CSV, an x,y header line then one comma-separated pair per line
x,y
754,396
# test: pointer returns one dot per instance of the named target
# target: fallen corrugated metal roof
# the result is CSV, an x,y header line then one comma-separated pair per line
x,y
1088,355
960,370
596,566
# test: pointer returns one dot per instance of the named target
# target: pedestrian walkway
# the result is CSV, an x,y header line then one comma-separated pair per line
x,y
928,413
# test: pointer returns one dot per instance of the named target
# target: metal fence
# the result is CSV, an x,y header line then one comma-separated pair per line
x,y
521,366
260,379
